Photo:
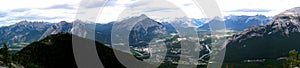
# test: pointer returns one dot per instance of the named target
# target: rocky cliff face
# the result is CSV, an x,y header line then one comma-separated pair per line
x,y
62,26
142,29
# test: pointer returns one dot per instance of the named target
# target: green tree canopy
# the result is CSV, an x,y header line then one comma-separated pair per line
x,y
6,57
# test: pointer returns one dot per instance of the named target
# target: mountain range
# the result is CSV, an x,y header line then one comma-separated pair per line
x,y
270,41
23,31
260,37
238,23
143,31
28,32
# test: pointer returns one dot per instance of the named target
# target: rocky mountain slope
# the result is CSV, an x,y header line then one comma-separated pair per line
x,y
143,31
62,26
270,41
23,31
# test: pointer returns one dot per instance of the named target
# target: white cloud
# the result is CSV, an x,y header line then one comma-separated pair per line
x,y
14,4
276,5
41,10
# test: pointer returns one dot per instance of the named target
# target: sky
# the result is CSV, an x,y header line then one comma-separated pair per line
x,y
13,11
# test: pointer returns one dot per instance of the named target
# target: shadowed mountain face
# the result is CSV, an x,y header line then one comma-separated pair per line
x,y
53,51
145,30
56,51
270,41
103,32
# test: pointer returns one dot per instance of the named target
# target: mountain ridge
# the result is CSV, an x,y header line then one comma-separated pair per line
x,y
269,41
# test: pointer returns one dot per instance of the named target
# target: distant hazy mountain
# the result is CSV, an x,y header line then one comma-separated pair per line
x,y
184,21
199,22
269,41
240,23
217,22
23,31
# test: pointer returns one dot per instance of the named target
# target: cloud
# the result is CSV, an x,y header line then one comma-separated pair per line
x,y
152,8
13,11
188,4
138,4
60,6
5,23
250,10
276,6
20,10
3,14
32,17
161,9
98,3
51,9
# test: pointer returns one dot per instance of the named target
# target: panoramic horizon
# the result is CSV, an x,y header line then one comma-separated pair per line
x,y
54,11
150,34
70,21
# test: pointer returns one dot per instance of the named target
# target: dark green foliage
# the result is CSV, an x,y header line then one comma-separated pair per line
x,y
6,56
267,47
53,51
56,51
172,65
294,59
267,64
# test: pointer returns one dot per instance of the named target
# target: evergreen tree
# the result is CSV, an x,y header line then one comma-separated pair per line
x,y
6,55
293,59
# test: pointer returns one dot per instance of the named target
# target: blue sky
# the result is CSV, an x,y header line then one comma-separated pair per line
x,y
12,11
